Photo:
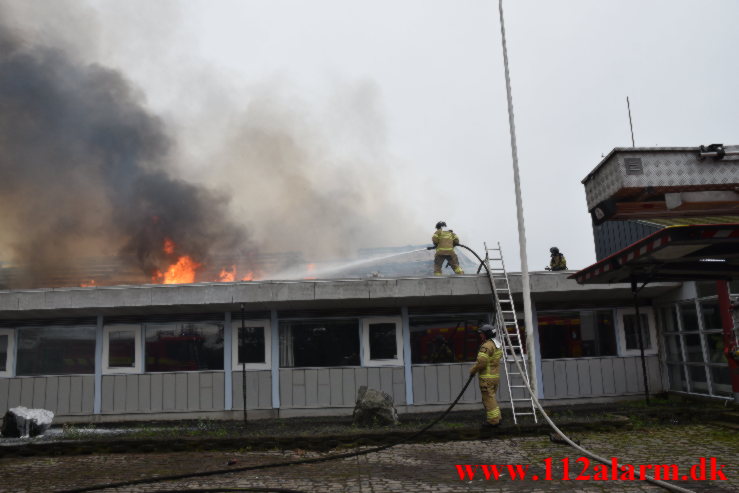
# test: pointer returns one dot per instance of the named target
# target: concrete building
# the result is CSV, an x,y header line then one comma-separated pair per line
x,y
176,351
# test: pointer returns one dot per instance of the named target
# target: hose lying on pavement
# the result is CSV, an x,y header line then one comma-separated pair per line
x,y
315,460
657,482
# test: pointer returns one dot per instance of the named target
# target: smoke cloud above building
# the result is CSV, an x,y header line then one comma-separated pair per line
x,y
89,170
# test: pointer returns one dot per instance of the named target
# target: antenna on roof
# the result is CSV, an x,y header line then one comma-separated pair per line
x,y
631,125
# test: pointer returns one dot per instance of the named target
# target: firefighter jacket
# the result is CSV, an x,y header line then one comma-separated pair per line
x,y
488,360
558,262
444,241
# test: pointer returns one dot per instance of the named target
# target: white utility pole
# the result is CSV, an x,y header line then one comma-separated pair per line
x,y
527,316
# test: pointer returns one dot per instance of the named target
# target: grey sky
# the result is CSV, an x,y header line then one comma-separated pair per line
x,y
418,86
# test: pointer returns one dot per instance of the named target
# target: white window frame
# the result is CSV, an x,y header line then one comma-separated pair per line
x,y
235,326
366,322
138,353
621,333
10,358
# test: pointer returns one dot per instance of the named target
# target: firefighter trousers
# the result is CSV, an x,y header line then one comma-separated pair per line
x,y
453,262
488,388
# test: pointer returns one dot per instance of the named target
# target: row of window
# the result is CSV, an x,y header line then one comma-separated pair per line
x,y
198,346
591,333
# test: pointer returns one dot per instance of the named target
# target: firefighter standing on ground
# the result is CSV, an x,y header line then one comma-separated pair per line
x,y
558,261
445,240
488,370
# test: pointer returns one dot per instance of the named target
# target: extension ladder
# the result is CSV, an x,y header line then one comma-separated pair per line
x,y
507,324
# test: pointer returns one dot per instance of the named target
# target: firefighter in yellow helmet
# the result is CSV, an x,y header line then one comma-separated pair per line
x,y
445,240
487,368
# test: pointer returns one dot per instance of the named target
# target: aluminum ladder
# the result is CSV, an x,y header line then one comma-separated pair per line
x,y
507,322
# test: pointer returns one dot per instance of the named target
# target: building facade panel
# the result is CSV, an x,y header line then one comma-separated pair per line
x,y
426,385
608,376
258,390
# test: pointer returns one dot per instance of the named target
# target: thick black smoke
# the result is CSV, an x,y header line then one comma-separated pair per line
x,y
83,171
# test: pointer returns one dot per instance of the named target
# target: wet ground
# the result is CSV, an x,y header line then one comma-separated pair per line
x,y
409,468
666,432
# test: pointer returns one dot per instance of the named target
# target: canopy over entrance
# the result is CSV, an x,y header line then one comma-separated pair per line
x,y
677,253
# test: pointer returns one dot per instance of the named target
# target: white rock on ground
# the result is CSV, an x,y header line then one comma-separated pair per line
x,y
23,422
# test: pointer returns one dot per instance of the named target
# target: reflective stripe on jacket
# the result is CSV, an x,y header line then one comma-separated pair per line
x,y
488,360
445,241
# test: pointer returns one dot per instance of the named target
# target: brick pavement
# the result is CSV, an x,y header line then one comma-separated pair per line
x,y
411,468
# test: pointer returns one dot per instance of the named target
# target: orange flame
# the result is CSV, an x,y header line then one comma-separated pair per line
x,y
227,275
168,246
181,272
310,269
90,284
248,277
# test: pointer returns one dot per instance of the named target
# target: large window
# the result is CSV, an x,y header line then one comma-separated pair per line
x,y
56,350
629,335
631,332
382,341
319,343
7,349
185,346
122,348
445,338
576,334
694,347
251,344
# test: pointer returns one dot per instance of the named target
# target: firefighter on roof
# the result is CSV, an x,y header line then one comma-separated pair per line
x,y
558,261
445,240
487,368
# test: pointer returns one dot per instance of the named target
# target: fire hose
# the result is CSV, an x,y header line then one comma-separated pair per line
x,y
317,460
314,460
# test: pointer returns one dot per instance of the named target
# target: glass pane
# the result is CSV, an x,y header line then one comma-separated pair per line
x,y
4,352
715,346
698,382
184,347
677,377
56,350
606,342
632,336
693,351
121,349
319,343
668,318
721,380
383,342
688,317
430,336
672,348
560,335
711,315
251,345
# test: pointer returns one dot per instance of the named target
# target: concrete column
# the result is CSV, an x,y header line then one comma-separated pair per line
x,y
227,363
275,338
406,326
98,390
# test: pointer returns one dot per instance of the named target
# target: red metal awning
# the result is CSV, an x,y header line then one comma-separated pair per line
x,y
676,253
